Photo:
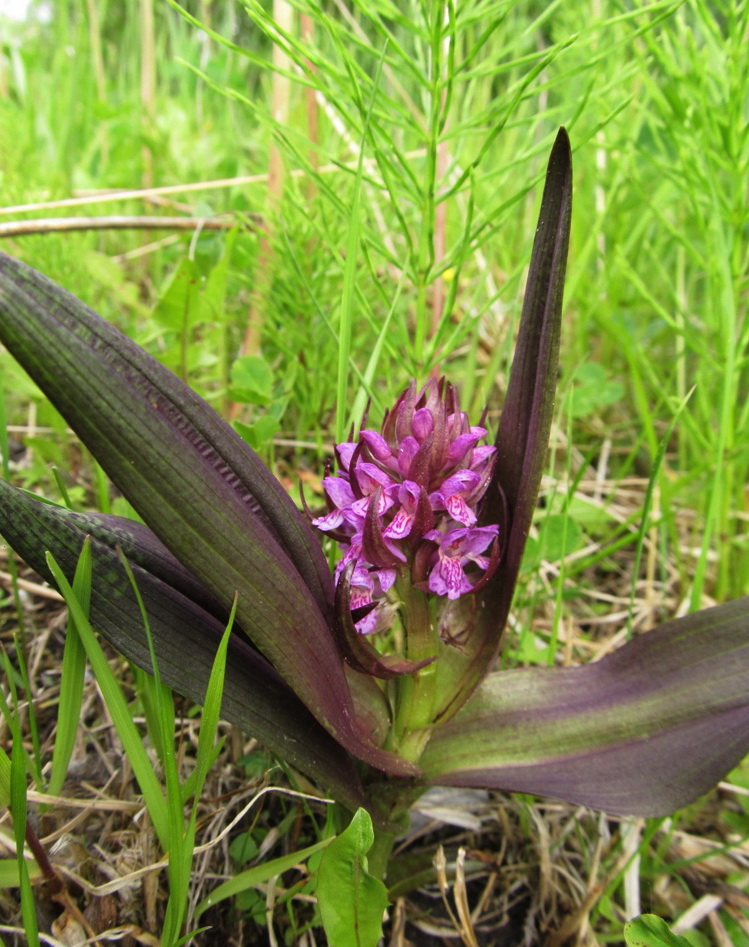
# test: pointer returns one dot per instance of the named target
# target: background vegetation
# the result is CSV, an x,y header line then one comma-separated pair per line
x,y
363,184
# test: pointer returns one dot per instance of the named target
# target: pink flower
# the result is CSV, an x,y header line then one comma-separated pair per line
x,y
457,548
416,482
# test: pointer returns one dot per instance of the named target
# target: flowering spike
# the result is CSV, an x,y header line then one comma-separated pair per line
x,y
405,503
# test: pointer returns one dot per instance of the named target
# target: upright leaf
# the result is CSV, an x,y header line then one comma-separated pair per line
x,y
523,435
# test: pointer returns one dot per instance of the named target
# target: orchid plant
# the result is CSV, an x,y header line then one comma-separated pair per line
x,y
379,680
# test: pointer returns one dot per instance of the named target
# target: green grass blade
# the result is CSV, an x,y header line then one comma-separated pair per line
x,y
257,876
115,700
18,810
71,683
212,707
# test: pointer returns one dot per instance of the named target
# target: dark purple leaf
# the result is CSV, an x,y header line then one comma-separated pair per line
x,y
185,635
196,484
643,731
523,436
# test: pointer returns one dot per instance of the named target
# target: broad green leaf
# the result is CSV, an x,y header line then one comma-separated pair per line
x,y
197,485
259,433
523,435
186,634
351,901
649,930
180,306
252,380
644,731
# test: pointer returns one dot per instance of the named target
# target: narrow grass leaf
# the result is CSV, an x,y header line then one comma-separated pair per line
x,y
35,759
121,717
179,844
212,707
646,507
258,876
71,683
19,812
4,778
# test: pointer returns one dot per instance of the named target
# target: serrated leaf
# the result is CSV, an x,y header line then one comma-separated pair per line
x,y
351,901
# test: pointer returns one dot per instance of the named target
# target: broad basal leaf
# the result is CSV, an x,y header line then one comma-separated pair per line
x,y
197,485
185,634
643,731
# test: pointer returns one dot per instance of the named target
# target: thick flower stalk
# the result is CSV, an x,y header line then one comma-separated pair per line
x,y
404,503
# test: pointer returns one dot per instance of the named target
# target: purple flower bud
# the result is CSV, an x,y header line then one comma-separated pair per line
x,y
406,498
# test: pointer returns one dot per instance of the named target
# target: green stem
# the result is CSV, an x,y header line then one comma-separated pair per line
x,y
380,852
415,693
390,807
